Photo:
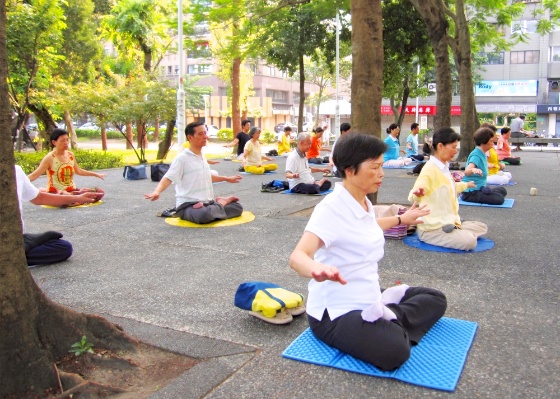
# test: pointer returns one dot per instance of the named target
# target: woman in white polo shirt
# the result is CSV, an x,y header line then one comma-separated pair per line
x,y
339,251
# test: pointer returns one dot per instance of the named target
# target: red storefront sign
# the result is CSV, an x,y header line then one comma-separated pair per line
x,y
422,110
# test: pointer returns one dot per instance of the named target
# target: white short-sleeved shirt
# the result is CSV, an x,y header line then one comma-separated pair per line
x,y
192,177
297,163
25,190
354,243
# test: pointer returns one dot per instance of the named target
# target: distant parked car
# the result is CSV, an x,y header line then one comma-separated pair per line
x,y
212,131
307,126
90,126
280,127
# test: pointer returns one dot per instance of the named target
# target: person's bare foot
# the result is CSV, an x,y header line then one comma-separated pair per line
x,y
320,182
226,200
198,205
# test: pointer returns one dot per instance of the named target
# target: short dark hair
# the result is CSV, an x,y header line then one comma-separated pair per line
x,y
522,116
483,135
489,126
244,122
445,135
505,130
414,126
392,126
189,129
56,133
344,127
319,130
253,131
287,128
353,149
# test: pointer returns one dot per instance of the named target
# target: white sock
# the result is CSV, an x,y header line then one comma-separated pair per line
x,y
393,294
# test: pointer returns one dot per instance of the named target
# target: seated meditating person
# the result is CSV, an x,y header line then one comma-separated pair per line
x,y
497,175
436,188
340,250
314,152
298,172
284,141
252,159
476,172
412,143
61,165
46,248
504,149
391,157
194,193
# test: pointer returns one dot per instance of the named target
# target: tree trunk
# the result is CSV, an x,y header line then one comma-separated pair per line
x,y
156,130
129,135
46,118
165,144
301,93
367,66
70,130
34,331
462,52
235,95
104,136
433,15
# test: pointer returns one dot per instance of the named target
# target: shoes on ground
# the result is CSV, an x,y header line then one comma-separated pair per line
x,y
167,213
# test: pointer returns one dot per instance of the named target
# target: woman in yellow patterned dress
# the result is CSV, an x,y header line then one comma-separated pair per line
x,y
61,165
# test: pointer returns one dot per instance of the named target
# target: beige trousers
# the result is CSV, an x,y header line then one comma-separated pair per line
x,y
463,238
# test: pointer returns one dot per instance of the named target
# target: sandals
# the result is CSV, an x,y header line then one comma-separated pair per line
x,y
283,316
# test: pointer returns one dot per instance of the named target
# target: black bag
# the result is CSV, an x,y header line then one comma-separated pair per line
x,y
158,170
135,172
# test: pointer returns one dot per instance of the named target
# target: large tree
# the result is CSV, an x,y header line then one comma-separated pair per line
x,y
33,330
367,66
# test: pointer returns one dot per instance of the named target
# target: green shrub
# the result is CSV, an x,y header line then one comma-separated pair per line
x,y
268,137
96,134
87,159
225,134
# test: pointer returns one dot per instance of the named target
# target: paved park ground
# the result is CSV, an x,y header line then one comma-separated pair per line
x,y
174,287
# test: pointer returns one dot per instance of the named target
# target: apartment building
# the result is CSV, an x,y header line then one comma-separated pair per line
x,y
526,78
275,98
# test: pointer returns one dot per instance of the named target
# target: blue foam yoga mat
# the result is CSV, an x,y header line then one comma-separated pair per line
x,y
511,183
409,166
270,172
437,362
290,192
483,244
508,203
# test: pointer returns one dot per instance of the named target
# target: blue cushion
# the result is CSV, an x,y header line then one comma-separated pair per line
x,y
482,244
436,362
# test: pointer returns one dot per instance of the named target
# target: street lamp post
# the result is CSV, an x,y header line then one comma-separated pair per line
x,y
180,89
337,108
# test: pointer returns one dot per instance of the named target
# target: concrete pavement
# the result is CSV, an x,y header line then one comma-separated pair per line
x,y
174,287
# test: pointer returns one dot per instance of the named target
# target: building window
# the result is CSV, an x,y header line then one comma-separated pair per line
x,y
222,91
525,26
170,70
295,96
253,68
201,29
492,58
195,69
525,57
278,96
270,71
200,50
554,54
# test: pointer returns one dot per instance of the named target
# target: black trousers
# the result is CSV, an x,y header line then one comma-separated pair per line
x,y
497,196
512,161
385,344
311,188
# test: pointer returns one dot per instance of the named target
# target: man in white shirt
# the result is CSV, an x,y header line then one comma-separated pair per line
x,y
194,194
46,248
298,172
